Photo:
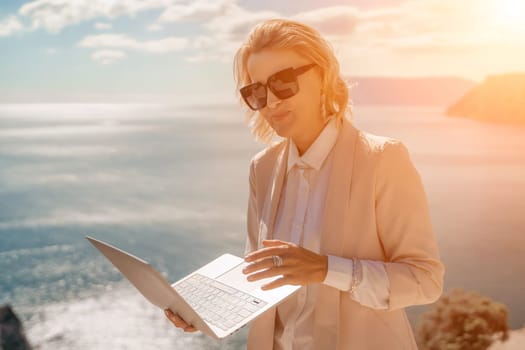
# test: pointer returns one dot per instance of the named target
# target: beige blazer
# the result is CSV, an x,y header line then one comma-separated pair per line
x,y
376,209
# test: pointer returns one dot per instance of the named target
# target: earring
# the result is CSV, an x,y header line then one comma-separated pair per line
x,y
323,107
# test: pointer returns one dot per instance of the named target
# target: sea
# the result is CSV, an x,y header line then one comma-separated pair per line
x,y
169,183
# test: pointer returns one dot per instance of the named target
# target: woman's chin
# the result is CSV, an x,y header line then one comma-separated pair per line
x,y
282,132
283,129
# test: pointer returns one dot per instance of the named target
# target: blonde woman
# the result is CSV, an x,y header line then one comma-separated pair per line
x,y
341,212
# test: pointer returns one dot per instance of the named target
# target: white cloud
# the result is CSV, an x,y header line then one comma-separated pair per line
x,y
203,42
10,25
196,11
414,26
102,26
226,23
335,20
106,57
236,23
209,58
123,41
446,26
51,51
54,15
155,27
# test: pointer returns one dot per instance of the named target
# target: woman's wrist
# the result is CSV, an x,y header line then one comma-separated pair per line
x,y
324,267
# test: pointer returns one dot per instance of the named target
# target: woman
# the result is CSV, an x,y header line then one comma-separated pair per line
x,y
336,210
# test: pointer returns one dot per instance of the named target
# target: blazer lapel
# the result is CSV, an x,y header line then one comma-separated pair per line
x,y
333,228
338,193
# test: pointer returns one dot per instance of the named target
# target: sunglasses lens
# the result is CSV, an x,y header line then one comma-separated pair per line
x,y
284,84
254,95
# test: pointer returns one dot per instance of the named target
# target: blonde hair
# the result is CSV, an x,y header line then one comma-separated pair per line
x,y
305,40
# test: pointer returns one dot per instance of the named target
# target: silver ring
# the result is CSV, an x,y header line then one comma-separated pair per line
x,y
277,261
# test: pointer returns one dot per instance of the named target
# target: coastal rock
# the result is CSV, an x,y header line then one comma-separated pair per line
x,y
500,98
404,91
11,331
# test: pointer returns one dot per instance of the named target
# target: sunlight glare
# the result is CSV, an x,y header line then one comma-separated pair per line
x,y
512,14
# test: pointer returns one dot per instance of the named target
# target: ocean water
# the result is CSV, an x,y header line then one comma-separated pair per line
x,y
169,184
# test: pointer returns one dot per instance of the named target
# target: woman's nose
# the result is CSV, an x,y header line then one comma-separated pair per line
x,y
272,101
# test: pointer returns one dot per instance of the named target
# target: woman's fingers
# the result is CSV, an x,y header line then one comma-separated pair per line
x,y
190,329
276,271
175,319
259,265
275,284
275,243
280,248
299,265
178,321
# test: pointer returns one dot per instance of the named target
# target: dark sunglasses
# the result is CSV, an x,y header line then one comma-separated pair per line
x,y
282,84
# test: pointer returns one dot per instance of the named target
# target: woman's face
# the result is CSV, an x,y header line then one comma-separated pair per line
x,y
298,117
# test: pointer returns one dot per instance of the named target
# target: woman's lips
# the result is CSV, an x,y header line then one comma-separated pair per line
x,y
279,116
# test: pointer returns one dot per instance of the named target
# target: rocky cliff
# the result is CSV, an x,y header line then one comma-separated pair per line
x,y
11,331
429,91
500,98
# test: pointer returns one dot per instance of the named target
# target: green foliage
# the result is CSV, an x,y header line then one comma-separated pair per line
x,y
462,320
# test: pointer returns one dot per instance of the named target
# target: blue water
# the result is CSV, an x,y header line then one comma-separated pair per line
x,y
169,184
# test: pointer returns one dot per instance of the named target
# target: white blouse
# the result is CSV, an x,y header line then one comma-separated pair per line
x,y
299,220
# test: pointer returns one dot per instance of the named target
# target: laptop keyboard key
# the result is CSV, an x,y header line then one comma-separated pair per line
x,y
217,303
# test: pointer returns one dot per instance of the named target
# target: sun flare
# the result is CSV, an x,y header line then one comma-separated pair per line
x,y
512,14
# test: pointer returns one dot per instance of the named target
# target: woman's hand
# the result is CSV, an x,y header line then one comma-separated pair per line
x,y
179,322
299,266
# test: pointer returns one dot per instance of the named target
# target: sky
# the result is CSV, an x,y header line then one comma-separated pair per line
x,y
181,51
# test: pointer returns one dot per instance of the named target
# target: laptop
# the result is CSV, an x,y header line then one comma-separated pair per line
x,y
216,299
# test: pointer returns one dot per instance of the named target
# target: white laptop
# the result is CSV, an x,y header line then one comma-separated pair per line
x,y
216,299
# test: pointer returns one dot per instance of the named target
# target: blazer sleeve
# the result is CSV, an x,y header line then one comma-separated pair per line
x,y
252,220
413,266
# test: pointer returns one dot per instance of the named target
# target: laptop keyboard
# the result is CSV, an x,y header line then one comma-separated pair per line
x,y
217,303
